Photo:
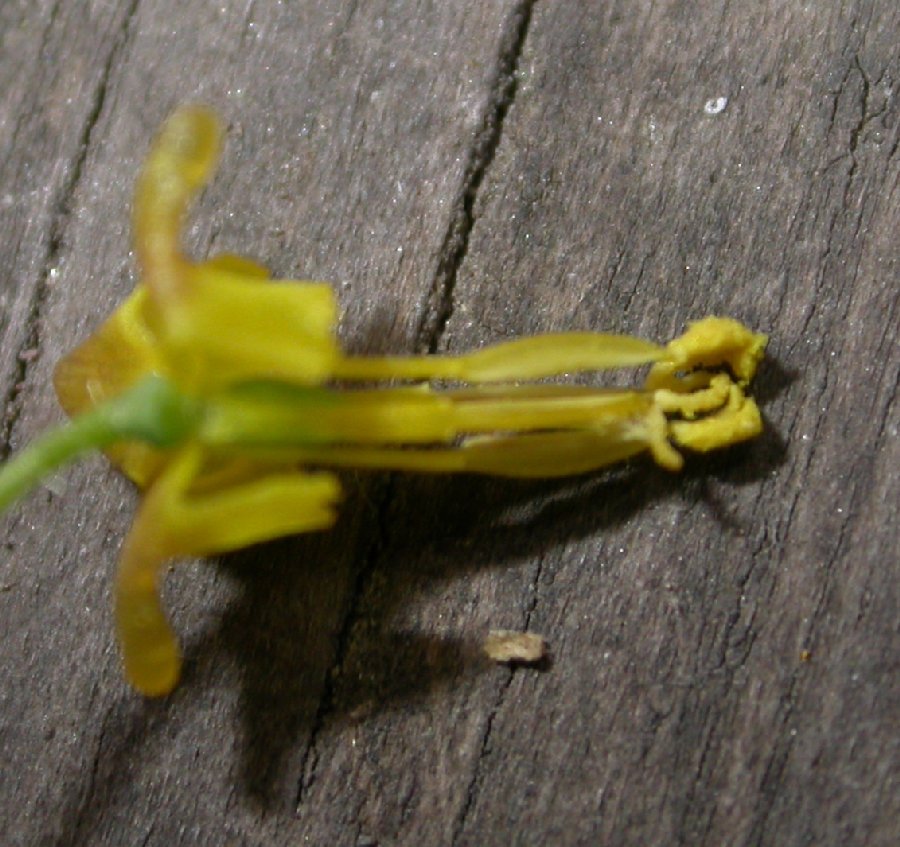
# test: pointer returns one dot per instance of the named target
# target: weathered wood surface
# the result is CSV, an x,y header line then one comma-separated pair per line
x,y
466,172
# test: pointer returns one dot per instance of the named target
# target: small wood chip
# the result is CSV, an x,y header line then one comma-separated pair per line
x,y
505,645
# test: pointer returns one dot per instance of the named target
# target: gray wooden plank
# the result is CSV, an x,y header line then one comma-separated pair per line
x,y
52,72
680,707
333,690
346,161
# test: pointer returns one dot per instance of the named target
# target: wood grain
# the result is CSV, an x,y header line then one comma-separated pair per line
x,y
724,642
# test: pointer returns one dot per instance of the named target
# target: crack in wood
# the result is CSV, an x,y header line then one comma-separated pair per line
x,y
477,772
428,336
439,303
30,347
310,759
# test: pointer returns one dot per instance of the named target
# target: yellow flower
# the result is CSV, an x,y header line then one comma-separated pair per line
x,y
218,392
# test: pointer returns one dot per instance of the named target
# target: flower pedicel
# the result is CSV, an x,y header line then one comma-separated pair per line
x,y
227,399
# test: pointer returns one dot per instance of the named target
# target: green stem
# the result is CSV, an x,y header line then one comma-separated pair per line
x,y
152,411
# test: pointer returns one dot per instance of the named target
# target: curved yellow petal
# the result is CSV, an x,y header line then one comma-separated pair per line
x,y
179,163
175,521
